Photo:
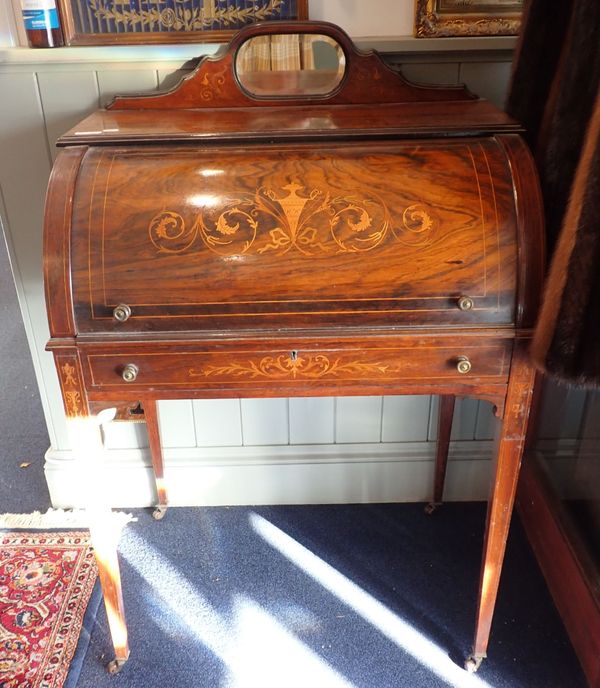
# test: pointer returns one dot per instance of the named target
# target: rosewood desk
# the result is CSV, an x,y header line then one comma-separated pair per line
x,y
324,228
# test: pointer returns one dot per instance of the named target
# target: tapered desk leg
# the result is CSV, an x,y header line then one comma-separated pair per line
x,y
446,414
88,447
105,549
104,535
500,505
151,414
104,532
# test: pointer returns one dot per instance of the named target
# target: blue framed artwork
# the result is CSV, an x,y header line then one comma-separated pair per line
x,y
106,22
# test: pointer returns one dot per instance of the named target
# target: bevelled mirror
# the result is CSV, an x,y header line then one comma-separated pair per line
x,y
289,65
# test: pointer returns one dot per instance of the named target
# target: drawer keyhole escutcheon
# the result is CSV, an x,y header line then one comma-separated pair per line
x,y
130,372
121,312
463,365
465,303
294,355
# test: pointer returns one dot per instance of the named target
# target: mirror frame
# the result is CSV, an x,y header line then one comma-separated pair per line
x,y
290,96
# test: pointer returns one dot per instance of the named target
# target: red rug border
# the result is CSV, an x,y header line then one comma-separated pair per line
x,y
50,538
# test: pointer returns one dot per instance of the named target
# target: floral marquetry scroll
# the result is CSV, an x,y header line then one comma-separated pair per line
x,y
102,22
293,217
74,397
294,366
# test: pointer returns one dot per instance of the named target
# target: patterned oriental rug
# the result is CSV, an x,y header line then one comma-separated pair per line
x,y
46,580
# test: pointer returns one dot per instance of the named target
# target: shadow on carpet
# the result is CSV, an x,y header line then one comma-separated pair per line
x,y
368,596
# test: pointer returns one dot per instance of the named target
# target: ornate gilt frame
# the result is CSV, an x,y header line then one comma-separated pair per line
x,y
257,11
430,22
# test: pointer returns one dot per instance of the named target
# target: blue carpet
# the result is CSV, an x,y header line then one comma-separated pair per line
x,y
368,596
89,621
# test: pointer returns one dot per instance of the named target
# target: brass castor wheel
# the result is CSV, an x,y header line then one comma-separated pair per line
x,y
431,507
159,513
472,663
115,666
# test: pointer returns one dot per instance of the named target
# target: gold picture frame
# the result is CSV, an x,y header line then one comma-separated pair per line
x,y
450,18
123,22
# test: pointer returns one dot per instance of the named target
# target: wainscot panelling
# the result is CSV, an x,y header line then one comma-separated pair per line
x,y
218,422
231,451
265,421
66,98
465,418
24,171
113,82
358,419
561,412
176,419
312,420
168,78
301,474
405,419
487,79
485,425
463,424
428,73
122,435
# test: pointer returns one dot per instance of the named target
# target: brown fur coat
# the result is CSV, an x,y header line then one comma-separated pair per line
x,y
555,93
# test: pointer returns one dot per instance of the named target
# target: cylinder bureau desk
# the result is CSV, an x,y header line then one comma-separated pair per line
x,y
286,226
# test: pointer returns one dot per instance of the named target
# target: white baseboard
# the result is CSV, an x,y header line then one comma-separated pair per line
x,y
311,474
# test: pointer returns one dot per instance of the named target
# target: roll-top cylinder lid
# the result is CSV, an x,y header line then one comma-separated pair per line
x,y
393,234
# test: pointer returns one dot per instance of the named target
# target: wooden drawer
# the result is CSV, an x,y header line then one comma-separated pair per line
x,y
255,368
255,238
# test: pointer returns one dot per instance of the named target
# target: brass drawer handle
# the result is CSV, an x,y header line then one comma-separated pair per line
x,y
130,372
465,303
121,312
463,365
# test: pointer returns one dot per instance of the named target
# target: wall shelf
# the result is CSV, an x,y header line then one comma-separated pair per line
x,y
181,53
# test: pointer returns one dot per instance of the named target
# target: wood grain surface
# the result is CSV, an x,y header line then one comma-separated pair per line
x,y
252,367
308,123
285,234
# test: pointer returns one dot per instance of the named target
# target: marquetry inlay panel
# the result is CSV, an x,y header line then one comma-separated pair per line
x,y
280,221
71,384
402,361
